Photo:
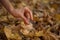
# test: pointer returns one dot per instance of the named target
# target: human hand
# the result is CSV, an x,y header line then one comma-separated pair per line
x,y
24,13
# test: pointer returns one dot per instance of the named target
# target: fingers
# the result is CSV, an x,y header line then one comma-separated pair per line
x,y
27,16
25,19
31,15
29,12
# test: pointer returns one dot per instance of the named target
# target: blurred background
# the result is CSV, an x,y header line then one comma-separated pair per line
x,y
46,24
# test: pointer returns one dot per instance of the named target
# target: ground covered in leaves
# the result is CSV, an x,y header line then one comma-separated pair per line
x,y
46,24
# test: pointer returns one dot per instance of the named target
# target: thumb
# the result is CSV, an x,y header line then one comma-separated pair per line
x,y
25,20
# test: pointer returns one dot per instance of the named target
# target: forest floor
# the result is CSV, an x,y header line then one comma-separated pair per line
x,y
46,24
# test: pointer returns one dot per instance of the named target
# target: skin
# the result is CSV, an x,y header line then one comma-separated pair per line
x,y
24,13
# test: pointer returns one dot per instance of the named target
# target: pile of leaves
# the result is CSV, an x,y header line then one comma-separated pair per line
x,y
46,24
